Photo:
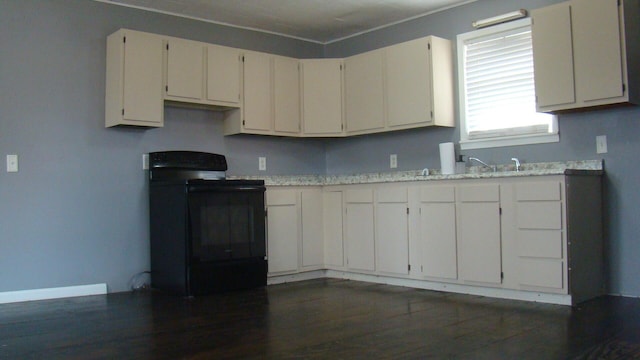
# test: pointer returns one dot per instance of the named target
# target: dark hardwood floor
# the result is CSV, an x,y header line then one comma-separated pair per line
x,y
318,319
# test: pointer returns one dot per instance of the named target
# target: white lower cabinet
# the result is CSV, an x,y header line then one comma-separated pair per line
x,y
478,226
282,231
332,215
359,229
295,240
311,213
436,244
528,237
392,230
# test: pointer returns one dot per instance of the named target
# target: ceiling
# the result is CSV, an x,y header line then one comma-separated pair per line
x,y
320,21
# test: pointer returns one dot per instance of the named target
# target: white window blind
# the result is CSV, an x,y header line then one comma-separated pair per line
x,y
498,95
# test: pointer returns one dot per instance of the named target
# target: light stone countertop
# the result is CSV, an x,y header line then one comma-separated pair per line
x,y
583,167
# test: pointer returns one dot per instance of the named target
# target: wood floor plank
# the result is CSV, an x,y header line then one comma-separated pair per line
x,y
317,319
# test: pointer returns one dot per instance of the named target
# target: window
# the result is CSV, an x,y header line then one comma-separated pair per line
x,y
497,92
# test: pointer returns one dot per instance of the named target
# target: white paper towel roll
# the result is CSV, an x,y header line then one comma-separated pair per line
x,y
447,158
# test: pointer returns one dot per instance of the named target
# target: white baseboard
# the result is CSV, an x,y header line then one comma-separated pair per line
x,y
309,275
426,285
52,293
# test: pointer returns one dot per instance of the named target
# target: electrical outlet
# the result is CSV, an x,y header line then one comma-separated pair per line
x,y
12,163
393,161
601,144
145,161
262,163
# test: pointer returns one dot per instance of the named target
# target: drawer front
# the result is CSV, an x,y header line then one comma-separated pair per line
x,y
540,243
479,193
545,191
540,215
541,273
356,196
393,195
281,197
443,194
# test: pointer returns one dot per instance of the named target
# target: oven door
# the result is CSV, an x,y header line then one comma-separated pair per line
x,y
226,221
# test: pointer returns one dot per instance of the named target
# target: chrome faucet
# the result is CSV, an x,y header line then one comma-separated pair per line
x,y
492,167
517,163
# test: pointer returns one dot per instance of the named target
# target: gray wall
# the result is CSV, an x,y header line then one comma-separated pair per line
x,y
76,213
419,149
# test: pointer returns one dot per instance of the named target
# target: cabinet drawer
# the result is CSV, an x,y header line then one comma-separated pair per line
x,y
281,197
540,215
442,194
540,243
541,273
392,195
538,191
359,196
479,193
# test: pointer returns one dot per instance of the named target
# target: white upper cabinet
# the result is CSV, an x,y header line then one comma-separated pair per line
x,y
258,93
582,49
321,87
419,83
223,75
399,87
364,94
286,95
185,70
202,74
271,97
552,44
402,86
133,95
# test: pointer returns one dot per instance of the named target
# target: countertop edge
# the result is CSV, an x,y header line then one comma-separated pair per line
x,y
571,168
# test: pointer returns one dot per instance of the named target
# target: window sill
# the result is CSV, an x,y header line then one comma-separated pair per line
x,y
508,141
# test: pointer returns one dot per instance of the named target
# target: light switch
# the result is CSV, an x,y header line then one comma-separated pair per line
x,y
12,163
145,161
262,163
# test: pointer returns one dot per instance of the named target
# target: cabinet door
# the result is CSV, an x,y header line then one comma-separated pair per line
x,y
223,74
322,97
282,231
142,79
553,55
364,103
479,259
392,231
257,92
311,202
286,85
437,239
408,83
597,51
333,226
185,66
360,230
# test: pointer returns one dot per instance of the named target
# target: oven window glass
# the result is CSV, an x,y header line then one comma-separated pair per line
x,y
226,225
